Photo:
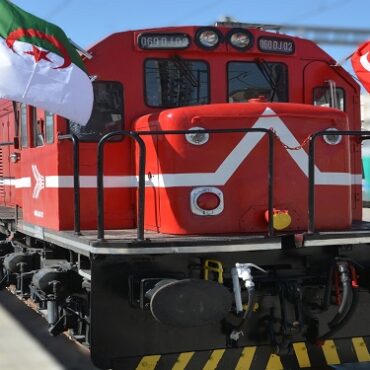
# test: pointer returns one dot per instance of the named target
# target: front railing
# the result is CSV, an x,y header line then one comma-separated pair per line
x,y
136,136
76,180
100,182
365,135
142,161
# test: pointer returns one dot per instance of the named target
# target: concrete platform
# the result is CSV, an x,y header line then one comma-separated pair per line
x,y
366,214
25,343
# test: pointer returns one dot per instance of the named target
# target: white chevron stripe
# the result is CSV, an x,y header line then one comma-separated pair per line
x,y
243,149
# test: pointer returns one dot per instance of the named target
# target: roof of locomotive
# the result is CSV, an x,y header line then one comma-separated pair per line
x,y
125,47
302,47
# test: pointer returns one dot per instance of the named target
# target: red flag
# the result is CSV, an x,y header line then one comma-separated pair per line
x,y
361,64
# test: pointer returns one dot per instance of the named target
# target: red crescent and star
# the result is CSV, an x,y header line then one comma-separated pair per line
x,y
36,52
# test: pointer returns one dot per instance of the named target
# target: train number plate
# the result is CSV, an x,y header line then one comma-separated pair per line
x,y
276,45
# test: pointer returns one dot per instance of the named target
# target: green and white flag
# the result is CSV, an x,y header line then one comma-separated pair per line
x,y
39,66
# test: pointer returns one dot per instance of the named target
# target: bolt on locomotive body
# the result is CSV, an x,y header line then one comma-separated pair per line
x,y
212,203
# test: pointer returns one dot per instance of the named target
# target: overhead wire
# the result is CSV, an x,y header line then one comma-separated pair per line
x,y
196,11
57,9
319,10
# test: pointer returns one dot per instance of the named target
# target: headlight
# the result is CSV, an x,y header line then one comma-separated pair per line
x,y
240,39
332,138
208,38
197,138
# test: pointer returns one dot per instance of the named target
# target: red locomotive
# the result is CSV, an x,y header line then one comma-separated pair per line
x,y
210,151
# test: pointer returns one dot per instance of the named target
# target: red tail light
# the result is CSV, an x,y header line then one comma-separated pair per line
x,y
208,201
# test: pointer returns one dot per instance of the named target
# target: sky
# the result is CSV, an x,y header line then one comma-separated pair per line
x,y
88,21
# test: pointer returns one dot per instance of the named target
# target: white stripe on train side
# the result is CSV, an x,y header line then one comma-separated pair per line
x,y
220,177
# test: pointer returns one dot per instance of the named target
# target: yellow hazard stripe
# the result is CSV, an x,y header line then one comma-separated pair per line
x,y
246,358
249,355
330,353
182,360
274,363
214,359
148,362
301,353
360,348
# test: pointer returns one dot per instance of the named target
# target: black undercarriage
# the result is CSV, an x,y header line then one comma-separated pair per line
x,y
138,301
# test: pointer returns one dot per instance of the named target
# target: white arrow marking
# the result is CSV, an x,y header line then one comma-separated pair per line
x,y
39,182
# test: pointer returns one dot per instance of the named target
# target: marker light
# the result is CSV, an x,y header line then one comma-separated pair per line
x,y
281,219
207,201
240,39
208,38
332,138
197,138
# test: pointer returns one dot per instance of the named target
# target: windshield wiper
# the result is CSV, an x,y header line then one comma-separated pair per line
x,y
183,68
267,74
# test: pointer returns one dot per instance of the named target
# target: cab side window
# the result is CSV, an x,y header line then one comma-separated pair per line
x,y
42,128
107,113
49,127
38,129
325,96
23,125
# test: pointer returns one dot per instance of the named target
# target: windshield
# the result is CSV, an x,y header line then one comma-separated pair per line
x,y
176,82
248,80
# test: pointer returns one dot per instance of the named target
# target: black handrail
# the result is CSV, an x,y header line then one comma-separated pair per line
x,y
100,182
76,180
6,143
311,169
142,158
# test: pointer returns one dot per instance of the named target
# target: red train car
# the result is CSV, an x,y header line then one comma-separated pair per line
x,y
210,151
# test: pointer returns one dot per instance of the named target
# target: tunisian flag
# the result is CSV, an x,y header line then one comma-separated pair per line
x,y
39,66
361,64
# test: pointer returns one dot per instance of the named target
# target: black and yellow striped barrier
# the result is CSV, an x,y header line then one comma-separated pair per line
x,y
260,358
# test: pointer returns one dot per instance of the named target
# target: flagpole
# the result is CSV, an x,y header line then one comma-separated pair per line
x,y
35,66
343,60
80,49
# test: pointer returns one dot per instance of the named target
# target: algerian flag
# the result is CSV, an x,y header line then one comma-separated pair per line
x,y
38,66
